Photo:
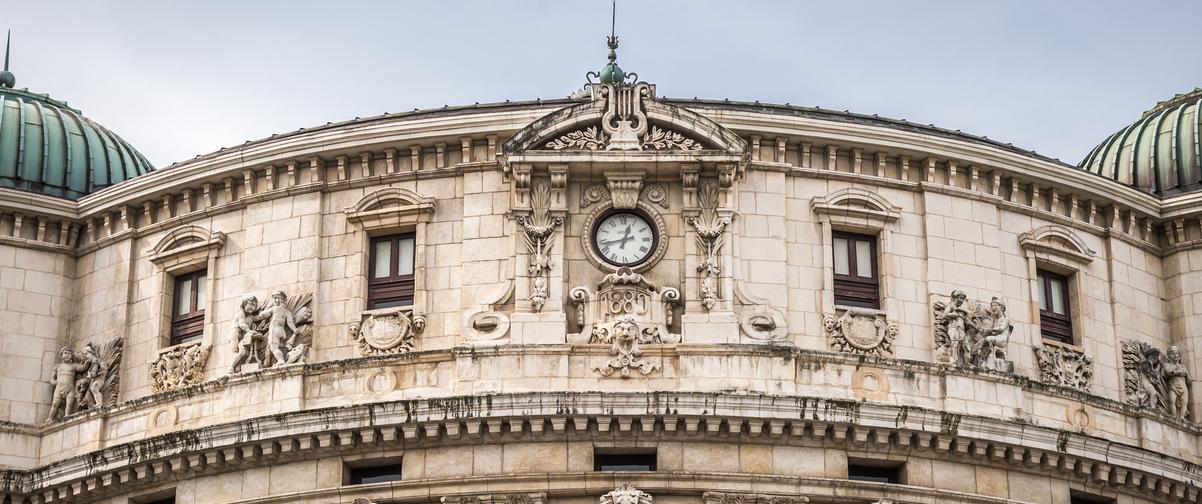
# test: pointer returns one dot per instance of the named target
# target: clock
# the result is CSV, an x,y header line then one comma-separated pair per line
x,y
625,238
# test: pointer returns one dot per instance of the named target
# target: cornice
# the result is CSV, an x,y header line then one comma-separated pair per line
x,y
527,417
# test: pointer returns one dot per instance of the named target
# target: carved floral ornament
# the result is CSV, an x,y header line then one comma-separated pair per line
x,y
751,498
179,366
626,494
538,229
1064,366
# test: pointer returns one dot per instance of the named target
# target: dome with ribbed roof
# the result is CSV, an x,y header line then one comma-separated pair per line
x,y
48,147
1160,153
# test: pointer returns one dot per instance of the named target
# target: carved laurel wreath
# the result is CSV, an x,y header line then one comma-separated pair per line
x,y
592,138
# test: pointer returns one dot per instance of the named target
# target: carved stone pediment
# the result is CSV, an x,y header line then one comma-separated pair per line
x,y
390,208
186,246
1056,244
855,208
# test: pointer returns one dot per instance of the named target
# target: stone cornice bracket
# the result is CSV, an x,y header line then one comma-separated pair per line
x,y
855,208
624,188
390,208
520,176
185,247
1057,244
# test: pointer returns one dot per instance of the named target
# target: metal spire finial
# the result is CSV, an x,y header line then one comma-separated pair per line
x,y
7,79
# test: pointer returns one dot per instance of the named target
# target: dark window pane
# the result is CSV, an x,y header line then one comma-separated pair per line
x,y
390,280
874,473
855,270
374,474
624,461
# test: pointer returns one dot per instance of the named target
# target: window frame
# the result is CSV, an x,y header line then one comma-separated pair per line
x,y
188,326
1054,326
393,288
851,289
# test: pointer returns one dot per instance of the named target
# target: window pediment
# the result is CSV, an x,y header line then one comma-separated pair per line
x,y
855,209
390,208
1056,244
186,247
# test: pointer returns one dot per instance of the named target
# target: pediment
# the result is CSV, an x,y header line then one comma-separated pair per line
x,y
186,247
1058,242
390,208
855,208
625,119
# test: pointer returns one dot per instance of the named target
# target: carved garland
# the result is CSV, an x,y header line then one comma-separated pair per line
x,y
709,227
592,138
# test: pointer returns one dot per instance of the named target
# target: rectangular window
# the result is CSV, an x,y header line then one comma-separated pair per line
x,y
874,473
1082,498
606,460
372,471
856,271
390,271
188,307
1055,314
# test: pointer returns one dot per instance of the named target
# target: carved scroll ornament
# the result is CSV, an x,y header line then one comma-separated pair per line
x,y
625,312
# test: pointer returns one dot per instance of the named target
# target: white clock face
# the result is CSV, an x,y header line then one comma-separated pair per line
x,y
624,238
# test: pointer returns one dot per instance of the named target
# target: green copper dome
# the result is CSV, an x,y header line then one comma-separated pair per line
x,y
1160,153
48,147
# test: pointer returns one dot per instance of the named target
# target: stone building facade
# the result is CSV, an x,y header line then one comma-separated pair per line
x,y
814,306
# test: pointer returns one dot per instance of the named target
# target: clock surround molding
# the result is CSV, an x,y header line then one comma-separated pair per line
x,y
605,209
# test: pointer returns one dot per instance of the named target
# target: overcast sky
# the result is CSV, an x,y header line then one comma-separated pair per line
x,y
177,79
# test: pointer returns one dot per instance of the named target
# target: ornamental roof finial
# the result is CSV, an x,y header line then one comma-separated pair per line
x,y
611,73
7,79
